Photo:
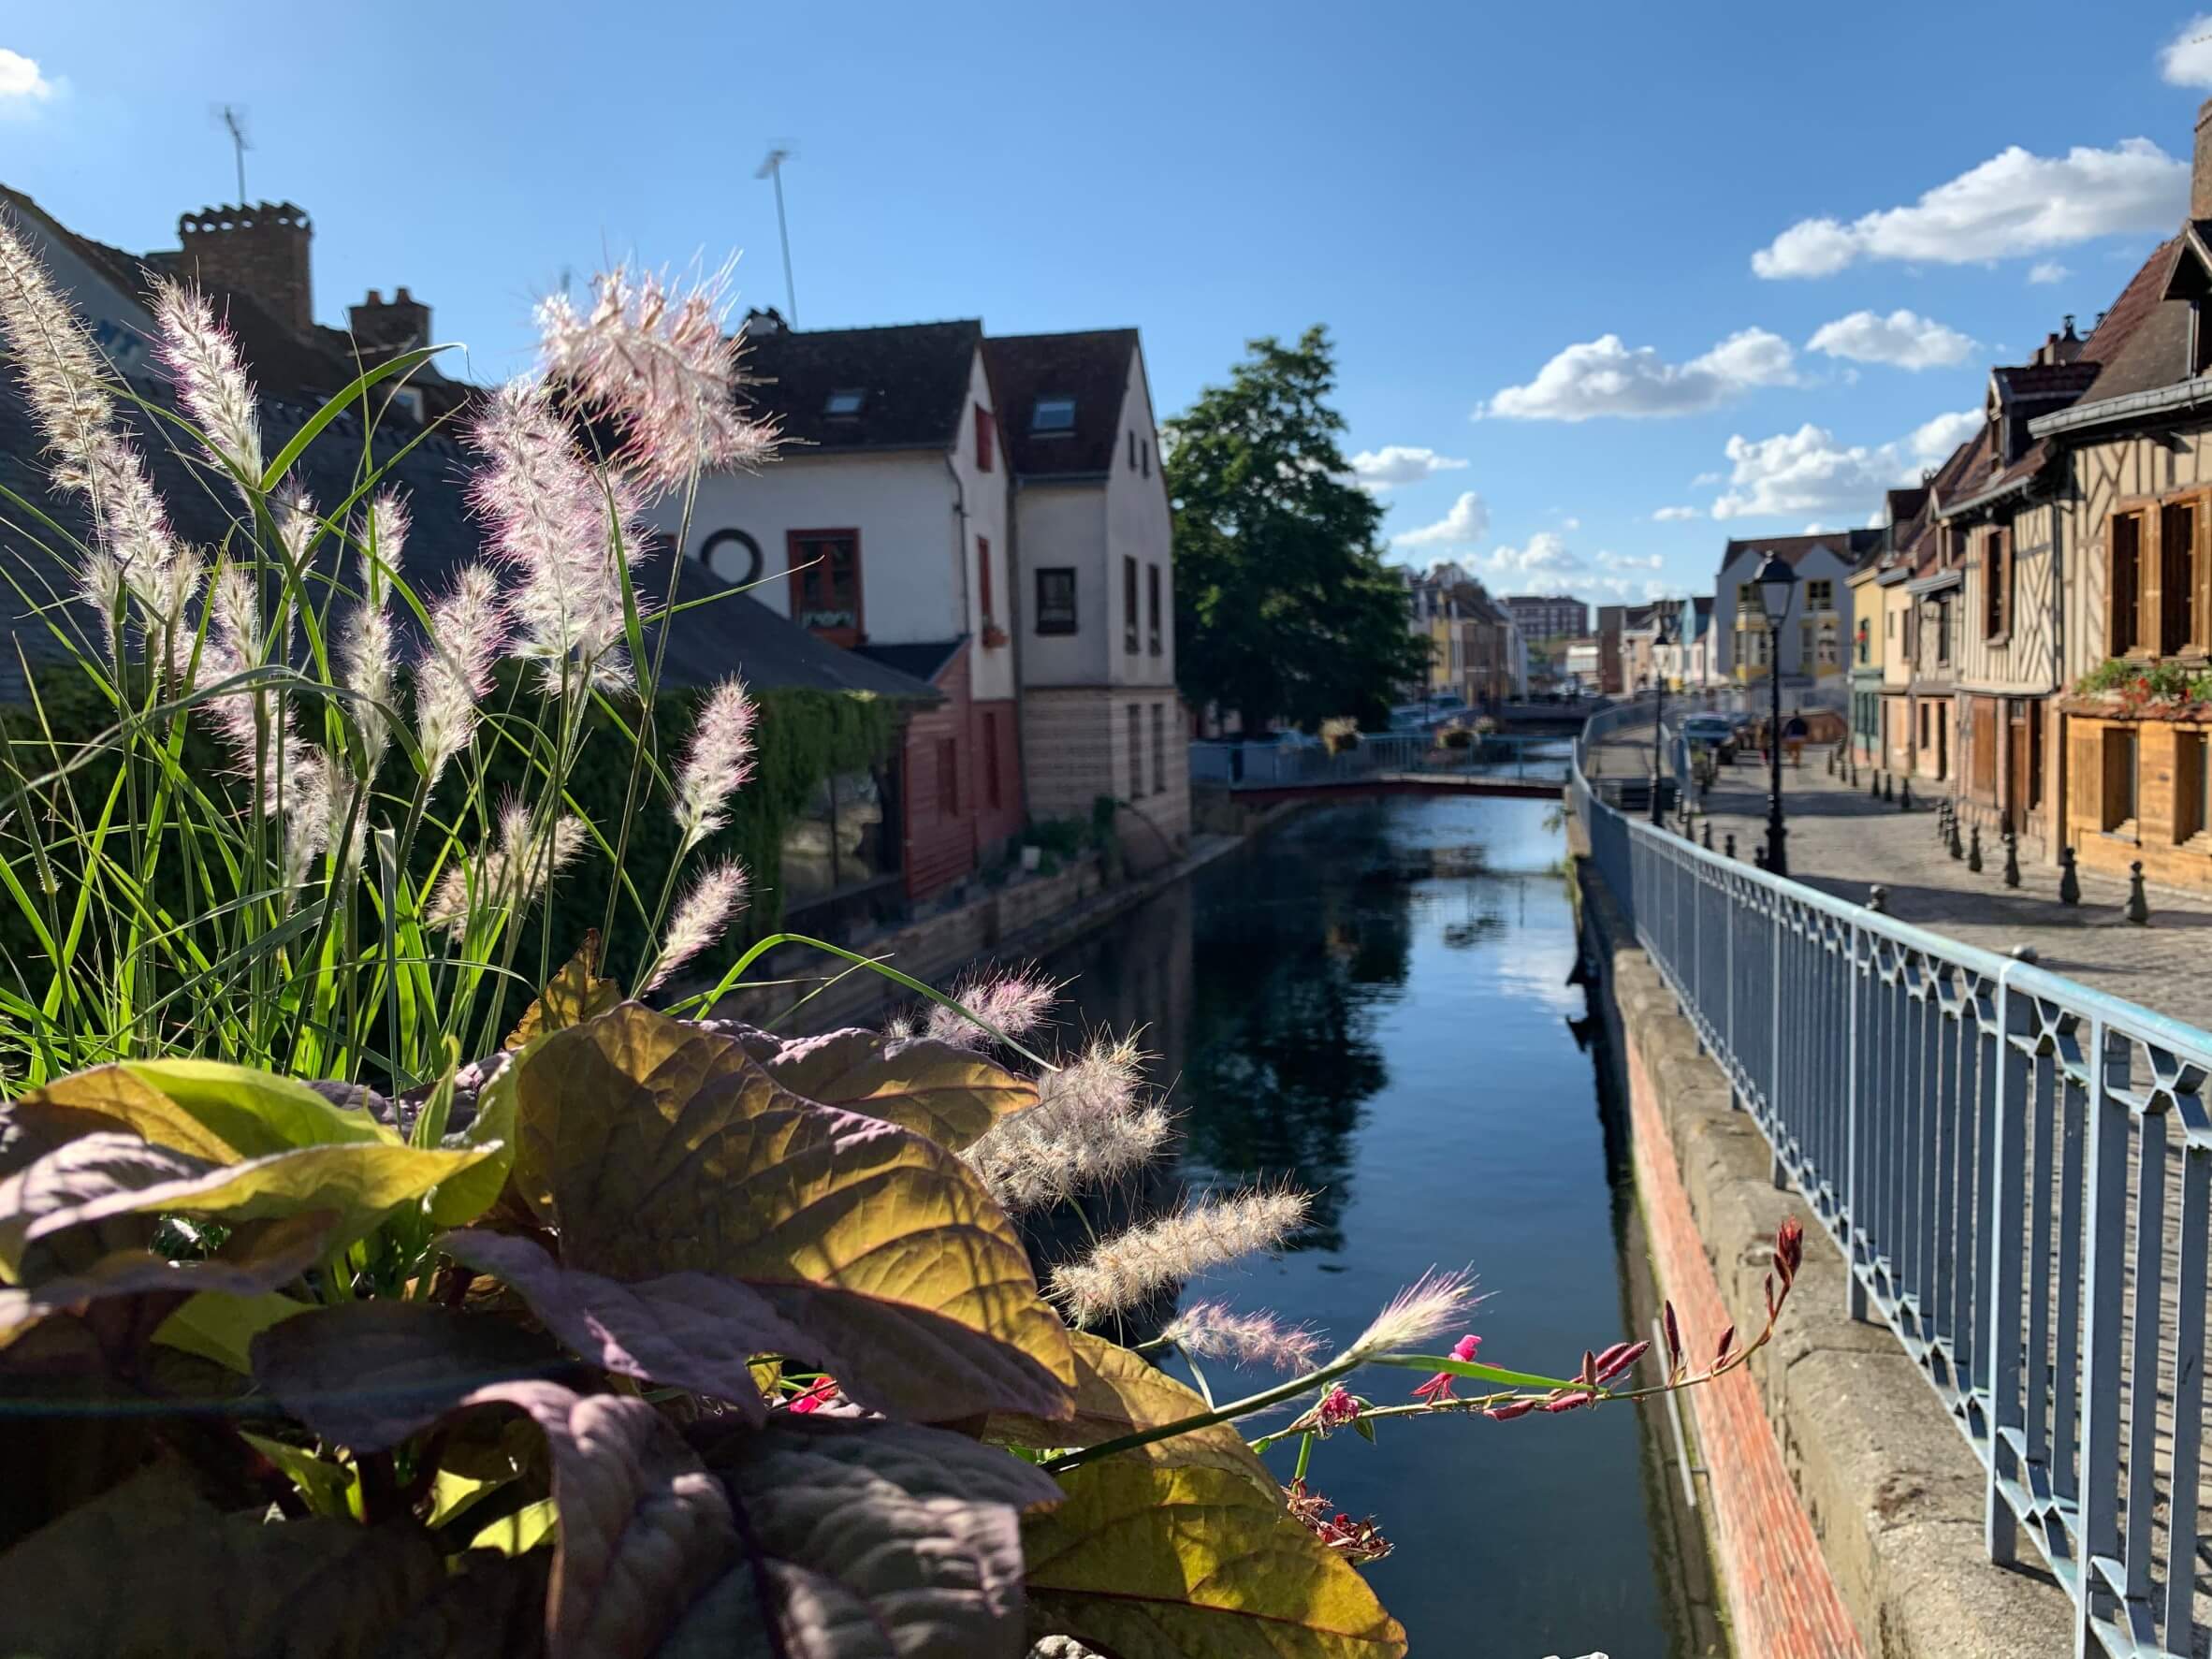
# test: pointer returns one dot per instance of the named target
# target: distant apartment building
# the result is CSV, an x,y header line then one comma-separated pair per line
x,y
1546,616
1475,650
1582,663
1095,591
1809,642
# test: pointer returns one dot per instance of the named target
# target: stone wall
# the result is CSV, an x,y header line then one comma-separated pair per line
x,y
1847,1509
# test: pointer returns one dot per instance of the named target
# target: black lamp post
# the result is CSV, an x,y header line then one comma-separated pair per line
x,y
1662,637
1774,581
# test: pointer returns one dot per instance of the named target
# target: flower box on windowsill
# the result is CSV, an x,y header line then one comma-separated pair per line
x,y
994,637
2117,706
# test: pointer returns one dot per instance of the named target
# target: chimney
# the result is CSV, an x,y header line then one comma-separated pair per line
x,y
381,329
2200,179
260,252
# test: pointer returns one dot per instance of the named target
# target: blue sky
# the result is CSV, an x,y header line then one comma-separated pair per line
x,y
1605,260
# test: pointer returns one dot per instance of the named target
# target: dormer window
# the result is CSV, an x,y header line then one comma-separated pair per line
x,y
1052,415
844,403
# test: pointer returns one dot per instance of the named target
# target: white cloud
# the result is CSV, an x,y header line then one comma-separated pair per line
x,y
1816,529
1400,463
1461,527
1545,552
1628,560
1703,479
1571,524
2047,270
1675,514
1807,471
2013,203
23,85
1903,339
2186,59
1602,376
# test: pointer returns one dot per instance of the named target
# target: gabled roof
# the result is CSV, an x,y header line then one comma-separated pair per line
x,y
1846,545
912,379
1092,367
2143,341
924,662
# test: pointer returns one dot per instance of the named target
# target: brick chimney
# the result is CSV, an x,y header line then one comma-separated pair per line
x,y
382,328
260,252
2200,179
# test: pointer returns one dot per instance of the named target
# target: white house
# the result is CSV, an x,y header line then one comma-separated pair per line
x,y
1813,636
1095,613
884,526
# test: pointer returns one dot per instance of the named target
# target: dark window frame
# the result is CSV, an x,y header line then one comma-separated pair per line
x,y
803,565
1128,603
1057,428
985,446
1047,620
1153,610
984,592
859,395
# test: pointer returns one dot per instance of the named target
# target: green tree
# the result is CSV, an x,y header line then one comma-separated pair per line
x,y
1284,606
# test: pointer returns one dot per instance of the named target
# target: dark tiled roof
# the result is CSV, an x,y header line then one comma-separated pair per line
x,y
2035,383
913,378
1092,367
733,634
2143,341
1847,544
923,663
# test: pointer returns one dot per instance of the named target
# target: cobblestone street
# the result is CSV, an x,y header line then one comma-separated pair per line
x,y
1843,842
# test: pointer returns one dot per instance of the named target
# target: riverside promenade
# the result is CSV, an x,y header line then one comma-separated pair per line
x,y
1843,842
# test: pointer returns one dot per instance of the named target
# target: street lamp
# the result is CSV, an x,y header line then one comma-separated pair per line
x,y
1774,580
1662,638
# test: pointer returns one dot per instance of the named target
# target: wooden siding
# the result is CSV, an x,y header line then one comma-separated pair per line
x,y
2163,793
938,836
2104,477
2023,663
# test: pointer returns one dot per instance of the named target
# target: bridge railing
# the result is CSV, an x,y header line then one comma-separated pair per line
x,y
1275,766
2018,1169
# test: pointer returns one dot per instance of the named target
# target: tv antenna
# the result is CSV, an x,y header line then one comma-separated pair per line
x,y
234,119
773,169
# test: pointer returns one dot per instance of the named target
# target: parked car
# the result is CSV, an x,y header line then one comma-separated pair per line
x,y
1716,732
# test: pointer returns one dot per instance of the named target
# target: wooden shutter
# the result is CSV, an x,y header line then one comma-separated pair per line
x,y
2084,797
2124,557
2177,622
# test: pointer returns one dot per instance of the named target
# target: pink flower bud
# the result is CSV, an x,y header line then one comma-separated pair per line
x,y
1510,1409
1622,1356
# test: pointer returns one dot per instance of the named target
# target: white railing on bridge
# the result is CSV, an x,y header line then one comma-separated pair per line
x,y
2018,1169
1262,765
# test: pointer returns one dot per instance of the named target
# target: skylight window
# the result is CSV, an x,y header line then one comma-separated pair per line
x,y
1052,415
844,401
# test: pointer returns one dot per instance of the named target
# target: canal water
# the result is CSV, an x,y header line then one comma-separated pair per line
x,y
1371,1001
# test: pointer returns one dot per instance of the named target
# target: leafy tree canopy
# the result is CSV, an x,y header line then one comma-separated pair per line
x,y
1284,606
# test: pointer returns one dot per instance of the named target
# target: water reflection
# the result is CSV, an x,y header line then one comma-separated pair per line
x,y
1372,1002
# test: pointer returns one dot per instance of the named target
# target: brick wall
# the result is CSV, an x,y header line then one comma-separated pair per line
x,y
1075,747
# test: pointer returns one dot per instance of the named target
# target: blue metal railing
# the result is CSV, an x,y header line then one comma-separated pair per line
x,y
1522,758
2018,1169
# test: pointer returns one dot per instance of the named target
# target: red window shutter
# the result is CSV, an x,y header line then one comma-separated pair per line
x,y
983,439
982,560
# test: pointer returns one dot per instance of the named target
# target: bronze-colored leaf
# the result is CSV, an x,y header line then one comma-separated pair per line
x,y
112,1098
952,1095
151,1569
655,1148
91,1166
573,996
366,1375
1148,1560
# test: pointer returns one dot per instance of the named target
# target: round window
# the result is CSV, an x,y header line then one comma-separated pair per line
x,y
732,554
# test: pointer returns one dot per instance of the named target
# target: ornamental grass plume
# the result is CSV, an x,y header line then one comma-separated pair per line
x,y
1214,1330
717,763
365,650
1015,1001
1093,1122
1122,1271
203,360
1431,1305
658,362
701,917
133,549
568,532
510,873
467,631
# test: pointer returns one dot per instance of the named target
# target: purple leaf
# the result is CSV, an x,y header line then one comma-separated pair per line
x,y
686,1330
366,1375
72,1174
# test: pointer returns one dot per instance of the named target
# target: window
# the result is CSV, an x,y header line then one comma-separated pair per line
x,y
2124,586
1152,606
2120,779
2193,787
1159,748
1997,584
825,582
1132,449
1136,753
1893,624
985,435
1145,451
990,757
1055,598
1942,625
1049,415
1866,643
982,565
844,403
1820,595
1747,601
948,778
1128,604
2177,578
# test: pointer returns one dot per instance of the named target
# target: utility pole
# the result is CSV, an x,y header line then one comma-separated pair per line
x,y
234,118
772,169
